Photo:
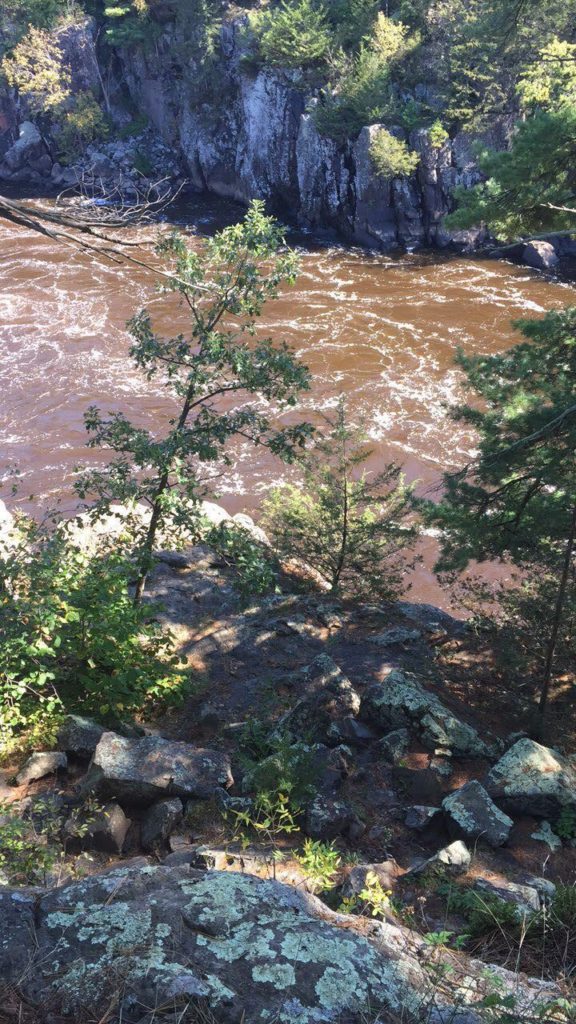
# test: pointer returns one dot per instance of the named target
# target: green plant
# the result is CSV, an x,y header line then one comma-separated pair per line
x,y
437,939
83,124
362,91
37,68
517,500
390,156
373,897
224,287
252,561
27,850
353,529
320,862
129,23
72,639
486,914
270,816
295,34
437,134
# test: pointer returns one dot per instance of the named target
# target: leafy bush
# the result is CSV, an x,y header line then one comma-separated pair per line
x,y
353,529
73,640
320,862
293,35
83,124
27,846
391,157
253,563
36,67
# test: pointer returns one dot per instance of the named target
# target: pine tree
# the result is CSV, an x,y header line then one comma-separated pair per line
x,y
352,526
518,500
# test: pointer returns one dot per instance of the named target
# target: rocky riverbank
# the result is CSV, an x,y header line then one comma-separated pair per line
x,y
171,889
252,137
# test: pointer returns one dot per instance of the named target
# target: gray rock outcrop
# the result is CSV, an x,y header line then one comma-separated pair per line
x,y
257,138
245,948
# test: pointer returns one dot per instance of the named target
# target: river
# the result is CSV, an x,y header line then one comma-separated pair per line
x,y
382,330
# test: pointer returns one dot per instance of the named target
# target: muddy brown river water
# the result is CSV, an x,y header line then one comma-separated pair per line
x,y
382,330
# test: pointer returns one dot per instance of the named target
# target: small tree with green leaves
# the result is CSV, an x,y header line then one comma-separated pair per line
x,y
353,528
517,502
224,287
391,156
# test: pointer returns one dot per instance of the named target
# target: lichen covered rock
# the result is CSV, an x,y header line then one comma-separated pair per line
x,y
143,770
473,815
401,701
330,701
533,779
252,949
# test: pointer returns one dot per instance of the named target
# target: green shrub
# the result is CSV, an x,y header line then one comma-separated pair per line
x,y
72,639
253,563
438,134
27,845
295,34
129,23
391,157
362,93
83,124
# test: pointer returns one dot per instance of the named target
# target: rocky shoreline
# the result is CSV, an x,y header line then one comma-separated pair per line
x,y
159,899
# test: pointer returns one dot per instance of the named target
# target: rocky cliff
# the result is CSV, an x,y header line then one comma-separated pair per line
x,y
252,135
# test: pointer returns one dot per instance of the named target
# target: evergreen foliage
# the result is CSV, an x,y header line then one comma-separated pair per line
x,y
518,500
352,528
295,34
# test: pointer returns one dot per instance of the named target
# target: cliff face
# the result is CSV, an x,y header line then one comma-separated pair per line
x,y
252,136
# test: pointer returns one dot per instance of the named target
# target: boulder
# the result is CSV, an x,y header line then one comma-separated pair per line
x,y
105,831
387,873
159,821
327,818
79,736
540,255
249,949
401,701
40,764
525,897
330,699
533,779
140,771
473,815
29,146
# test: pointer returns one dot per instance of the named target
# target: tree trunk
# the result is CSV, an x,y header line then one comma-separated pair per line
x,y
148,548
538,728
